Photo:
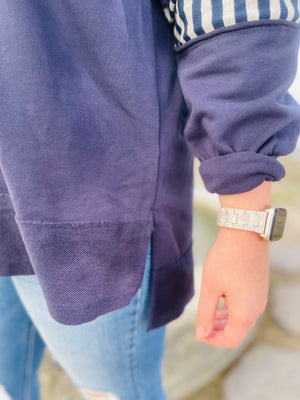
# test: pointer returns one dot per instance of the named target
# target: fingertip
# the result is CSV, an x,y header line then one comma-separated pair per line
x,y
200,331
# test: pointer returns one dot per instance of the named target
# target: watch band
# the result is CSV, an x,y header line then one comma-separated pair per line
x,y
249,220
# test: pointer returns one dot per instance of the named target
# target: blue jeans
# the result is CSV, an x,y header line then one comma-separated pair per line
x,y
111,357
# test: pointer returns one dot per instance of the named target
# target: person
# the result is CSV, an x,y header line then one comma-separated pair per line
x,y
104,106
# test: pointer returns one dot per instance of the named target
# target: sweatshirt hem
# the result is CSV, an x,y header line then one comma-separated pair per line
x,y
74,265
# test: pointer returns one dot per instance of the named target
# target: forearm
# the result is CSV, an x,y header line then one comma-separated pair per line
x,y
258,198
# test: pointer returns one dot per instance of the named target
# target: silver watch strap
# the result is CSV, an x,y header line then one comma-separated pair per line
x,y
249,220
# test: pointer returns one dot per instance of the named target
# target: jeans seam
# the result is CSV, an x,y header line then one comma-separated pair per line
x,y
29,362
143,311
145,301
134,344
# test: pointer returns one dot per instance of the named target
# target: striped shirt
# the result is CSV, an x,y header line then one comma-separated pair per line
x,y
195,18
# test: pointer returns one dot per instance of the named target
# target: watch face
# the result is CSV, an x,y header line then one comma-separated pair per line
x,y
278,223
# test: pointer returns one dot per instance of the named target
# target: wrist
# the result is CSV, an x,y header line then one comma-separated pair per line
x,y
240,235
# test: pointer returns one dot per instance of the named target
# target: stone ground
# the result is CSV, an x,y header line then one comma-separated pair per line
x,y
267,363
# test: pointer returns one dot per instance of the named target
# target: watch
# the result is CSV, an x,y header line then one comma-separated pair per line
x,y
269,223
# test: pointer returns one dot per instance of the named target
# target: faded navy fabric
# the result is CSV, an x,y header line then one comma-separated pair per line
x,y
100,120
242,116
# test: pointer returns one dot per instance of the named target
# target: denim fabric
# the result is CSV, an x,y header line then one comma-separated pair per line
x,y
112,355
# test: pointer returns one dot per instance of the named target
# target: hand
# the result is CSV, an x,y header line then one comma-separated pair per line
x,y
237,268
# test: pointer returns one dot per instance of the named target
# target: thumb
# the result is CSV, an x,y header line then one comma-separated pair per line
x,y
207,307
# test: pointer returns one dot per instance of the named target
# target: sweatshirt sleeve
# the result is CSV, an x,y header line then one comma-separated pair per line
x,y
236,60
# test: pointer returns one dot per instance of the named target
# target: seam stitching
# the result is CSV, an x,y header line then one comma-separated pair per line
x,y
29,363
96,223
159,114
133,361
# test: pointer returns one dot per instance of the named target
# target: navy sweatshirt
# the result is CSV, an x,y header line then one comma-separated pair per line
x,y
103,107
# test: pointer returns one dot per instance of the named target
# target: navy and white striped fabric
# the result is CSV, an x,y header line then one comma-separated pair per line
x,y
193,18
